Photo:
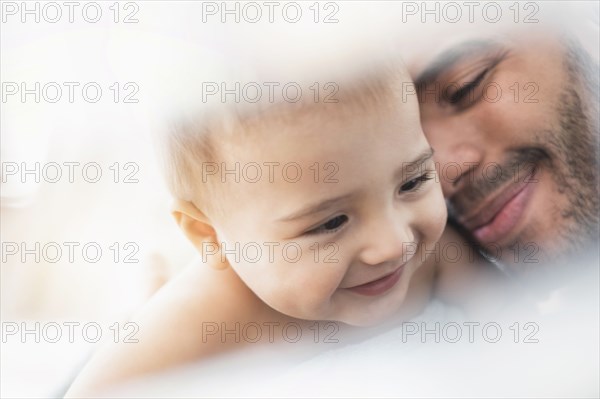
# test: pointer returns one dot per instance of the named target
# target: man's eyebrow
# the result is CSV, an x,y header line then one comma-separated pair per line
x,y
414,165
449,58
316,207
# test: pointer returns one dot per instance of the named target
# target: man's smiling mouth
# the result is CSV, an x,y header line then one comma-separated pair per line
x,y
497,217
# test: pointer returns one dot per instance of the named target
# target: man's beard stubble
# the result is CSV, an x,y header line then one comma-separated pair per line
x,y
570,155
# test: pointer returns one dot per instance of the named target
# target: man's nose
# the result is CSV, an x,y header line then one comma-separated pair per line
x,y
389,240
458,154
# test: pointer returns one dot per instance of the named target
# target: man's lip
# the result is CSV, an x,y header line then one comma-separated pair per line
x,y
506,219
379,285
489,209
499,216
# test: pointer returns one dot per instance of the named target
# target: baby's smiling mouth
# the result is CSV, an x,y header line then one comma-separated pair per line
x,y
380,284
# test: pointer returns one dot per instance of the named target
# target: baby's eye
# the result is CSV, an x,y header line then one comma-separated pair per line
x,y
331,226
415,184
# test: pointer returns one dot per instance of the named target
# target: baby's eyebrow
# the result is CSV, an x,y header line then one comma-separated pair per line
x,y
414,165
317,207
330,203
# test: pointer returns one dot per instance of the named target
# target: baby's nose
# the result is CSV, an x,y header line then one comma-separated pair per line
x,y
392,242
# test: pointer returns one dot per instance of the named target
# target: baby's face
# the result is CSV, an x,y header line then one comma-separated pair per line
x,y
342,241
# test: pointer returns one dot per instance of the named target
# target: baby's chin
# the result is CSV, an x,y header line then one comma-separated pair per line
x,y
364,323
370,321
351,313
366,317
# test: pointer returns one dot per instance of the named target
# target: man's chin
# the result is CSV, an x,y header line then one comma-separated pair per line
x,y
540,256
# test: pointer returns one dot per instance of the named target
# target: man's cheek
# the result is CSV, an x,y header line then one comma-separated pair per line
x,y
509,118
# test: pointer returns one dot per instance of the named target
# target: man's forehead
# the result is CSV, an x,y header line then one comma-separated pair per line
x,y
426,44
426,34
455,54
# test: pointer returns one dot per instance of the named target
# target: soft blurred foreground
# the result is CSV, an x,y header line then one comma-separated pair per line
x,y
161,61
536,346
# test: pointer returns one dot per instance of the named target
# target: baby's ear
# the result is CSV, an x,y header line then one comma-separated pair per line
x,y
199,230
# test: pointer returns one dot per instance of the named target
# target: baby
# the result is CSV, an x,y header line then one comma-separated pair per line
x,y
320,209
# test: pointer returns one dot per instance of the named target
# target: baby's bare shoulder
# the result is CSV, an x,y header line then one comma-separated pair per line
x,y
171,327
464,277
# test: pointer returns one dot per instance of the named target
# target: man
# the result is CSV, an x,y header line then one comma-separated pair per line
x,y
513,118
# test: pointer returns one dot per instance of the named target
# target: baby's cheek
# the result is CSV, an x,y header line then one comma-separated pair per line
x,y
270,287
298,283
308,289
434,215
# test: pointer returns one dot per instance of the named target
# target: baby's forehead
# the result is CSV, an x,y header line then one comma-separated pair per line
x,y
368,86
246,131
347,101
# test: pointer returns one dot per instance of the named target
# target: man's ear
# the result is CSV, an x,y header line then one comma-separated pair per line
x,y
198,229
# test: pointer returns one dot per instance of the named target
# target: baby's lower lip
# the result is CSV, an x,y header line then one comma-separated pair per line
x,y
379,286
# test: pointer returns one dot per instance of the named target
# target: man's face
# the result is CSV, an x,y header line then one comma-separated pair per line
x,y
514,126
